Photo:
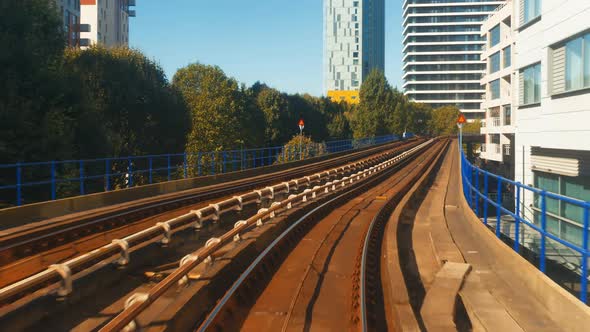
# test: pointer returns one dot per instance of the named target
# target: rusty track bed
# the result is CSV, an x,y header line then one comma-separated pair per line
x,y
366,308
141,302
23,243
211,212
18,246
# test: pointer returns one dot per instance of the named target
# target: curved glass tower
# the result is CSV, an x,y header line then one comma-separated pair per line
x,y
442,49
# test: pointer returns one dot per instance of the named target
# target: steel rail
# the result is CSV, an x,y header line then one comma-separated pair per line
x,y
244,276
138,302
63,273
14,240
381,216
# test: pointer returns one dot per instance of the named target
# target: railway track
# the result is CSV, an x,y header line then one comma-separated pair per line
x,y
333,291
26,251
331,252
51,276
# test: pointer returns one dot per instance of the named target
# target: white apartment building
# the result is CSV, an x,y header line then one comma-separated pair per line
x,y
500,92
69,10
354,44
442,49
552,145
108,21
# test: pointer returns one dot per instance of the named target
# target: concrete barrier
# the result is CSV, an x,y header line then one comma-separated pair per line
x,y
567,310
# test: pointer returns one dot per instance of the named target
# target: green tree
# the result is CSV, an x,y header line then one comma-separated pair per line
x,y
472,127
34,124
275,107
216,107
444,120
127,106
372,114
419,116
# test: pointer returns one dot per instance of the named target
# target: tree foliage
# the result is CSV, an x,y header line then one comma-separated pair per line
x,y
31,98
137,112
444,120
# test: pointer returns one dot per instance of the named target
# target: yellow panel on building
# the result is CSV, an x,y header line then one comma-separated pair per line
x,y
350,96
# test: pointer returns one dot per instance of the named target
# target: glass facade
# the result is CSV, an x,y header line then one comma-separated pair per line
x,y
532,10
564,219
494,62
495,89
354,42
577,63
449,52
495,36
507,56
532,84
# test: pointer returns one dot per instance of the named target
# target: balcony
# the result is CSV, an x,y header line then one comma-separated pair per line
x,y
495,122
506,149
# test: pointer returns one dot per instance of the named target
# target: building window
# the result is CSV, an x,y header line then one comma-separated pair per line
x,y
531,9
531,84
494,62
495,89
507,115
507,57
577,63
495,36
564,220
355,54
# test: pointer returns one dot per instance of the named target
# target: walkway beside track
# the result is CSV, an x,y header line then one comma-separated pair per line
x,y
494,296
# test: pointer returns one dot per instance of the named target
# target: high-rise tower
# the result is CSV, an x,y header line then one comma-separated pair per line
x,y
354,44
442,50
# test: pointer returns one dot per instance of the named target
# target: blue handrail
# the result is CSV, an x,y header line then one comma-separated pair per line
x,y
51,180
475,197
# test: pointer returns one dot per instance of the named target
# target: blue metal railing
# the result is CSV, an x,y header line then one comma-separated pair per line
x,y
478,195
24,183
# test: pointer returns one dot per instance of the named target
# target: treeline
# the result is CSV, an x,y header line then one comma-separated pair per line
x,y
58,103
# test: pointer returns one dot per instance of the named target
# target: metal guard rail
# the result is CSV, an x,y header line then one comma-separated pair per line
x,y
473,194
138,302
63,273
81,177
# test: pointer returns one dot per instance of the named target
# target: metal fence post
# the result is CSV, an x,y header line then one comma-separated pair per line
x,y
212,163
477,192
253,159
19,175
53,191
224,168
81,177
129,173
107,167
270,156
168,160
472,187
150,162
544,229
185,165
199,170
486,199
517,220
584,281
262,157
499,209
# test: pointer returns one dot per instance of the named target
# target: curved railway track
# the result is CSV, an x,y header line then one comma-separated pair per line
x,y
330,195
309,278
26,251
49,276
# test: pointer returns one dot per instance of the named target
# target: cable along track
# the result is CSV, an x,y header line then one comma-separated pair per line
x,y
358,178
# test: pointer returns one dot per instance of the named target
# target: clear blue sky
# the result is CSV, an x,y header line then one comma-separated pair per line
x,y
278,42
